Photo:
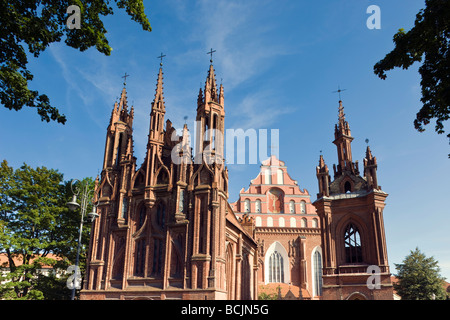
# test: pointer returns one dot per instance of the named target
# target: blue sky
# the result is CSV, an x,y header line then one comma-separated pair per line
x,y
280,61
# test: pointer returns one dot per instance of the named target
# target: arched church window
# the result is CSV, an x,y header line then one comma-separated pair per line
x,y
247,205
317,259
304,223
139,258
276,269
352,244
302,207
315,223
157,257
293,222
214,128
123,214
292,206
119,148
258,205
347,187
181,201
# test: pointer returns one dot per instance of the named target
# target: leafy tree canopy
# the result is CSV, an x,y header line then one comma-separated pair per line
x,y
35,227
428,42
419,278
35,24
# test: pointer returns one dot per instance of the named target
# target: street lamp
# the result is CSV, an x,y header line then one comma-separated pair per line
x,y
86,197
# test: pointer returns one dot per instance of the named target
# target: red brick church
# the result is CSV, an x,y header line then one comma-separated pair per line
x,y
287,231
166,229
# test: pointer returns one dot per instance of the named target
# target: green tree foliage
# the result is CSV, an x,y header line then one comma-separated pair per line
x,y
35,24
265,296
427,41
35,226
419,278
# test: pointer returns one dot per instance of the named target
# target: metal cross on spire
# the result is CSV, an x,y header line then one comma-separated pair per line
x,y
339,90
161,57
211,53
125,79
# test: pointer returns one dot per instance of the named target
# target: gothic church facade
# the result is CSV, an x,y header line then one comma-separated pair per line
x,y
166,229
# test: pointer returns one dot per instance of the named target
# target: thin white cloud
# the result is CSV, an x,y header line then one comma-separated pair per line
x,y
80,78
67,72
236,31
259,110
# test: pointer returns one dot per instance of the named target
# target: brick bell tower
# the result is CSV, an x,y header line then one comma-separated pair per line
x,y
351,217
165,228
209,194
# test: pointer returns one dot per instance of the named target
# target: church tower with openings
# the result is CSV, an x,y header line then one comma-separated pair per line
x,y
165,228
350,207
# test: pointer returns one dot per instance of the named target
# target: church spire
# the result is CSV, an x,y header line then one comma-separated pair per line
x,y
158,110
200,98
370,169
343,139
211,86
120,129
210,117
158,101
323,177
123,103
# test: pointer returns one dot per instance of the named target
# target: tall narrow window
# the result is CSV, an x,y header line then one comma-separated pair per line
x,y
258,205
119,148
214,128
181,201
304,223
267,176
352,243
302,207
315,223
317,273
293,222
347,187
276,269
292,206
247,205
280,176
124,208
140,258
157,257
201,216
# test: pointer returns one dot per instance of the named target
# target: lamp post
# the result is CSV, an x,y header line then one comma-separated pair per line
x,y
86,197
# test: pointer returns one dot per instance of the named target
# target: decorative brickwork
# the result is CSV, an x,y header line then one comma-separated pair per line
x,y
286,228
166,230
351,217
